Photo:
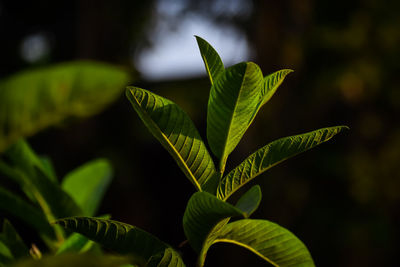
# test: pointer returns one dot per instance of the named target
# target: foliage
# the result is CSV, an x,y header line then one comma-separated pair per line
x,y
35,99
43,199
237,94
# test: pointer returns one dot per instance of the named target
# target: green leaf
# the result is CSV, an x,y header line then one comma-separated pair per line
x,y
35,99
88,183
13,241
120,237
249,202
6,256
26,169
271,155
76,260
48,168
211,59
170,258
16,206
232,106
203,212
271,84
271,242
75,243
176,132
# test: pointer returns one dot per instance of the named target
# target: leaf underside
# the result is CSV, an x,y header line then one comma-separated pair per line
x,y
119,237
271,242
203,212
176,132
249,201
272,154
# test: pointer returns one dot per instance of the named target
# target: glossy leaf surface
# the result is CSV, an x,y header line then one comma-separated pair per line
x,y
249,201
211,59
33,100
203,212
120,237
88,183
272,154
233,104
271,242
176,132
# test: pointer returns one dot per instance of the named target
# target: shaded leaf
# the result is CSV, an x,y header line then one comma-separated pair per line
x,y
75,260
13,241
6,256
120,237
88,183
249,202
176,132
75,243
16,206
271,84
233,104
48,168
271,155
271,242
33,100
203,212
26,169
170,258
211,59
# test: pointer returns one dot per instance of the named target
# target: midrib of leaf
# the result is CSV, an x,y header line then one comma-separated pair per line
x,y
224,158
208,69
165,138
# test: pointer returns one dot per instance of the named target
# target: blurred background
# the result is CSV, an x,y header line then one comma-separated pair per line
x,y
341,199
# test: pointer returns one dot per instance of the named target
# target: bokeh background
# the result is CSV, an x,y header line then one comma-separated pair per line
x,y
341,199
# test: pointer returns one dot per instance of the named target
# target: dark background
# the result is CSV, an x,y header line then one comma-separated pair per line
x,y
341,199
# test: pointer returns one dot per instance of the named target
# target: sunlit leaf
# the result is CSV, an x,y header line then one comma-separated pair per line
x,y
271,155
120,237
203,212
249,201
271,84
273,243
176,132
211,59
13,241
88,183
233,104
33,100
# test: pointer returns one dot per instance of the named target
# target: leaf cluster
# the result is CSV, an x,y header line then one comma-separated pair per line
x,y
237,94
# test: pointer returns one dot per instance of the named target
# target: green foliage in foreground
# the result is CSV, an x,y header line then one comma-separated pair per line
x,y
33,100
236,96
